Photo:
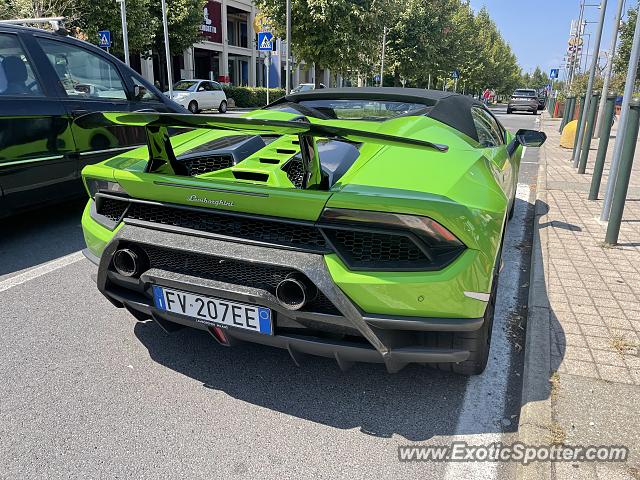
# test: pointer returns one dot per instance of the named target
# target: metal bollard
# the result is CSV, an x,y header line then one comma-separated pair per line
x,y
588,132
575,140
624,173
605,134
550,102
569,105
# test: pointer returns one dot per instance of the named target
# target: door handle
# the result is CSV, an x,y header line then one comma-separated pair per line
x,y
78,113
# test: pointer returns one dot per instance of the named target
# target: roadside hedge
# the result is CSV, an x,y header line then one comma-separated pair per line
x,y
247,97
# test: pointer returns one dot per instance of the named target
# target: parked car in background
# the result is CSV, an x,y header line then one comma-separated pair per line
x,y
197,95
47,80
306,87
524,99
542,99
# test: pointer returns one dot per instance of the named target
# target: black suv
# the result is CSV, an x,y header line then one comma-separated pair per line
x,y
46,81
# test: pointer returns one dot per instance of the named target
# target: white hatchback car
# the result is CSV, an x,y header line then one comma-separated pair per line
x,y
199,95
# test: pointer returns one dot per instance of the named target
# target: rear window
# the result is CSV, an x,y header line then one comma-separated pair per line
x,y
357,109
524,93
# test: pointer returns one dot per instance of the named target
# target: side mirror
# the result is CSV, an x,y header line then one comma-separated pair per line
x,y
530,138
139,91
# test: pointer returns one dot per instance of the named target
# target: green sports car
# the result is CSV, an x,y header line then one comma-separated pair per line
x,y
364,225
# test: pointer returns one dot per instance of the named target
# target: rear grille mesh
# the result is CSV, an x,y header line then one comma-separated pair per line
x,y
236,272
210,163
293,169
359,249
306,237
375,248
111,208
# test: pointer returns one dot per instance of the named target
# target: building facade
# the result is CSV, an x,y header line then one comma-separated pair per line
x,y
228,52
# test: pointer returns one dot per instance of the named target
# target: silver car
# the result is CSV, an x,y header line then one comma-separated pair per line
x,y
524,99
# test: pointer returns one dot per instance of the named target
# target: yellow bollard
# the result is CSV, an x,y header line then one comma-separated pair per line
x,y
567,139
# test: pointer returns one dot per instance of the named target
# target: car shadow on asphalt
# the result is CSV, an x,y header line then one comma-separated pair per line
x,y
38,236
417,403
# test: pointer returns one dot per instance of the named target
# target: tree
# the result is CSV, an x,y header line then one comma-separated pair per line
x,y
183,18
623,54
339,34
418,40
91,16
33,8
538,79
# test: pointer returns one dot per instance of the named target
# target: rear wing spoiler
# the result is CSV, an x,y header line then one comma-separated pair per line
x,y
161,152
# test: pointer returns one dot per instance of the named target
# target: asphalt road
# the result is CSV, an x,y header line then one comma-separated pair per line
x,y
88,392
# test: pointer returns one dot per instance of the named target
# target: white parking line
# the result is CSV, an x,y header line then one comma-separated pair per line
x,y
485,395
40,270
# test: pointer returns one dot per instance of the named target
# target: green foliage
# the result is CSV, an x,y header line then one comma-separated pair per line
x,y
247,97
91,16
580,82
144,21
337,34
423,38
538,79
623,54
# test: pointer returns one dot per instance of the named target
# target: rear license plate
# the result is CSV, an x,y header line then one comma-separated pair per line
x,y
214,311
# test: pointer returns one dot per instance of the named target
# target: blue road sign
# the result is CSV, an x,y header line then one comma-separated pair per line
x,y
105,38
376,78
554,73
265,41
455,74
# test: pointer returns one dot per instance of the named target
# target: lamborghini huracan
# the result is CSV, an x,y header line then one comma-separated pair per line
x,y
359,224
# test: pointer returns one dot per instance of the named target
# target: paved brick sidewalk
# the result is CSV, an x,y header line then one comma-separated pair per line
x,y
593,300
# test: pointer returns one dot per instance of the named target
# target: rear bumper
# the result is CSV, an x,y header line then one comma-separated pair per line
x,y
347,334
523,106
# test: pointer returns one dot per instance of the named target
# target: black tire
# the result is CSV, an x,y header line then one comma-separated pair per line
x,y
477,343
193,106
223,106
535,112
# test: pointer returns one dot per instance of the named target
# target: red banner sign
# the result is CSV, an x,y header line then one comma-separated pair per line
x,y
211,27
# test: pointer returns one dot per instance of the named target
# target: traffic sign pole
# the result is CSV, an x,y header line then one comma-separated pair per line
x,y
125,34
288,50
167,50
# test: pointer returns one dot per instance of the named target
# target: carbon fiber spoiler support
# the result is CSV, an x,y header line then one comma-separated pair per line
x,y
161,151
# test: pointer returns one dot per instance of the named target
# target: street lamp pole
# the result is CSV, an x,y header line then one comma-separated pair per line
x,y
592,75
607,73
384,41
125,34
167,50
288,49
622,125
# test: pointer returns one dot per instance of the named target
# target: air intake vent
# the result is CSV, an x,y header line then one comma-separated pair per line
x,y
210,163
293,235
111,208
293,169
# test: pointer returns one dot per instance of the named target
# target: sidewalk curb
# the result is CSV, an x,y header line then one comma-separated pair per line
x,y
535,409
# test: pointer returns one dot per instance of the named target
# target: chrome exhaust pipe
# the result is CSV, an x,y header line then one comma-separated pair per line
x,y
127,262
295,291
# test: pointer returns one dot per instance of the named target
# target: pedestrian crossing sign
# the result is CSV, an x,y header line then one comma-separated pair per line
x,y
105,38
265,41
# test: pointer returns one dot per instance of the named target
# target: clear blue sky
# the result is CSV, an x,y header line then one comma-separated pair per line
x,y
545,44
